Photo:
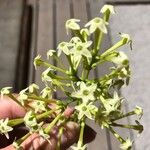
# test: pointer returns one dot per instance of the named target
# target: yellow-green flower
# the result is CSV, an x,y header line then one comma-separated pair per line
x,y
38,106
86,92
88,110
50,53
4,127
109,8
126,145
97,23
72,24
23,96
37,61
5,91
47,92
33,87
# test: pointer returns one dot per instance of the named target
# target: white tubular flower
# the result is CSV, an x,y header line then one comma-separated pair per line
x,y
63,47
120,59
81,49
126,145
86,92
33,87
38,106
109,8
139,111
4,127
45,76
84,147
72,24
44,135
23,96
50,53
75,40
37,61
46,92
97,23
5,91
126,37
87,110
30,121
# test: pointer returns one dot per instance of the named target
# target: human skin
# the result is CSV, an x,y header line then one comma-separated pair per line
x,y
10,109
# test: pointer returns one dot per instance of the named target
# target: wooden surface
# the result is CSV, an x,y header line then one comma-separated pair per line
x,y
10,29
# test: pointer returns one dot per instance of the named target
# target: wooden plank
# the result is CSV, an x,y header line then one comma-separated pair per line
x,y
61,35
45,34
10,28
33,44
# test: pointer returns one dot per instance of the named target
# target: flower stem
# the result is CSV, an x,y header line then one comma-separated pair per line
x,y
54,67
80,142
59,137
51,125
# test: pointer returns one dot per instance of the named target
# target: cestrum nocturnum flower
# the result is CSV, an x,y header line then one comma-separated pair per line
x,y
109,8
37,61
5,91
126,145
84,147
88,110
64,46
72,24
23,96
139,111
45,75
38,106
30,120
4,127
46,92
120,59
86,92
126,38
81,49
50,53
33,87
97,23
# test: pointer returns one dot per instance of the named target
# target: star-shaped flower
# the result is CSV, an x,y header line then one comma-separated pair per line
x,y
4,127
72,24
5,91
139,111
109,8
37,61
126,145
120,59
33,87
126,37
45,75
50,53
97,23
47,92
81,49
30,121
86,92
23,96
64,47
88,110
84,147
38,106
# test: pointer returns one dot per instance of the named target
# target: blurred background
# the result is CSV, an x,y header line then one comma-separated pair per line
x,y
31,27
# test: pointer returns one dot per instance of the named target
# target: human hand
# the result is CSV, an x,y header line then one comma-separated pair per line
x,y
10,109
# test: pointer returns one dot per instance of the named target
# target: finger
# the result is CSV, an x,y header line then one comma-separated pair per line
x,y
10,109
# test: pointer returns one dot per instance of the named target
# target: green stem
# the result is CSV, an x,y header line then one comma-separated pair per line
x,y
135,127
116,135
113,48
51,125
80,142
125,115
59,137
54,67
14,98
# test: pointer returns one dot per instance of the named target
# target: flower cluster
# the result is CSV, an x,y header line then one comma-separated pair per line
x,y
95,98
